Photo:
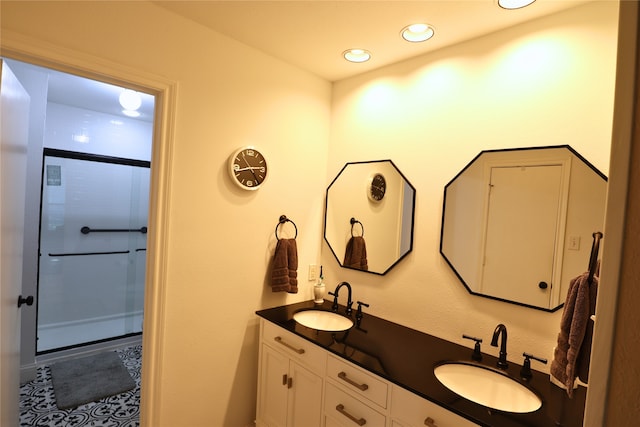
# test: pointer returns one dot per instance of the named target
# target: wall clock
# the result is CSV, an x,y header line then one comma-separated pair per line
x,y
248,168
377,187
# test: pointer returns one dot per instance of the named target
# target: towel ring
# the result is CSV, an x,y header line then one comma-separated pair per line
x,y
353,222
281,221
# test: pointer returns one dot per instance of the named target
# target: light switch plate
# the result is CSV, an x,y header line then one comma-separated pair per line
x,y
313,272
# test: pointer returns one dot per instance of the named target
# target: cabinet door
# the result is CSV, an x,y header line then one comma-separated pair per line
x,y
273,392
305,397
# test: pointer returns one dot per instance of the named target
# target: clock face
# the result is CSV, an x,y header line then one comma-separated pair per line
x,y
377,188
248,168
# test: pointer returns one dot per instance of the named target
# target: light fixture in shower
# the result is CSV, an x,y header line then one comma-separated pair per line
x,y
130,100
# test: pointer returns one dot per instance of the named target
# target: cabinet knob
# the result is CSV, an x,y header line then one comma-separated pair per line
x,y
429,422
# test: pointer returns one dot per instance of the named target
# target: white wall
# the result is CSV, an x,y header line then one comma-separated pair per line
x,y
92,132
220,237
547,82
431,115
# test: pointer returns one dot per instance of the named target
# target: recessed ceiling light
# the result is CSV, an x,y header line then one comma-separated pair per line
x,y
417,32
514,4
356,55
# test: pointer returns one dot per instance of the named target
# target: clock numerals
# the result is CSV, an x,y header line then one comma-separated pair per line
x,y
248,168
377,188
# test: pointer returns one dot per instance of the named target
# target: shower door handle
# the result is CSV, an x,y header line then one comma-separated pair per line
x,y
22,300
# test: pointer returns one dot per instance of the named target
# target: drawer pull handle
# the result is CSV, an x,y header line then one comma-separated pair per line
x,y
359,421
343,376
429,422
280,341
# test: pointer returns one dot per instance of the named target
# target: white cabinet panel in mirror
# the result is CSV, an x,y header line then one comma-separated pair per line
x,y
518,224
369,216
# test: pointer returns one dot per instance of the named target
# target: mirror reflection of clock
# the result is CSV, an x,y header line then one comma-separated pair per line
x,y
377,187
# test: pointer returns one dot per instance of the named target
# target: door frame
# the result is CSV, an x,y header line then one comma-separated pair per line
x,y
36,52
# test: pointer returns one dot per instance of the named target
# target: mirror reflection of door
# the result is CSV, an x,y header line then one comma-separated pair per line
x,y
521,232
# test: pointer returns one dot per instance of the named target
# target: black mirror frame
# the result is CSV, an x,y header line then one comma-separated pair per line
x,y
413,214
444,203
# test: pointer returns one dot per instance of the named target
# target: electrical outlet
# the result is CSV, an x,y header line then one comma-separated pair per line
x,y
313,272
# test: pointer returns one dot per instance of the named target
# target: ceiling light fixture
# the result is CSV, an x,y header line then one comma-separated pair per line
x,y
514,4
416,33
356,55
130,101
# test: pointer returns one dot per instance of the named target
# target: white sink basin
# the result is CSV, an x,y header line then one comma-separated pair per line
x,y
487,387
323,320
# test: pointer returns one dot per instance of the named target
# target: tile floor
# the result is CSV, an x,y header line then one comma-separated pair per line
x,y
38,403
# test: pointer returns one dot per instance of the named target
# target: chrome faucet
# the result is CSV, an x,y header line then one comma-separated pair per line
x,y
501,331
334,306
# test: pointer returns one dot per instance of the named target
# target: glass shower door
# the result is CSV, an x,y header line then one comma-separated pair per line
x,y
92,249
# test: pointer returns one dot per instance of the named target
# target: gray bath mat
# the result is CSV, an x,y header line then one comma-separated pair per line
x,y
87,379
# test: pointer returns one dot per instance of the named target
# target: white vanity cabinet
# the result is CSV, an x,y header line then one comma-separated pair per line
x,y
301,384
410,410
354,396
345,410
290,379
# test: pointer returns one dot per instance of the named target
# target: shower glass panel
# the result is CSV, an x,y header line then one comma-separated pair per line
x,y
92,249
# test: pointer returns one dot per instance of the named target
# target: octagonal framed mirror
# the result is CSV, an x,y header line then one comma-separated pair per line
x,y
369,216
518,224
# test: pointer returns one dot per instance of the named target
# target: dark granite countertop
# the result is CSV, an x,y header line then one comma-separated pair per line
x,y
407,357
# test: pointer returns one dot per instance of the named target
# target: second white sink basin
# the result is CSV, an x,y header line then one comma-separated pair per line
x,y
323,320
487,387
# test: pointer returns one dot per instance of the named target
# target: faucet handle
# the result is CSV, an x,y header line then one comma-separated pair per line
x,y
476,355
525,372
334,306
359,311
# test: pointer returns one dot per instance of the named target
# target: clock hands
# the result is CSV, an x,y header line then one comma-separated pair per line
x,y
250,168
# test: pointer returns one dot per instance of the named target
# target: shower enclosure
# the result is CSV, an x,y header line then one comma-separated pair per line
x,y
92,249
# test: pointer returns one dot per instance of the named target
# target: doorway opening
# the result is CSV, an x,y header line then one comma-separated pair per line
x,y
88,140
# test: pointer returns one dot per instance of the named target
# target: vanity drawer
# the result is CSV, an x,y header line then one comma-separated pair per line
x,y
293,346
349,411
357,380
413,411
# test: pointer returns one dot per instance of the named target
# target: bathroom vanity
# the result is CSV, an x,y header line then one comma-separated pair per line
x,y
379,373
